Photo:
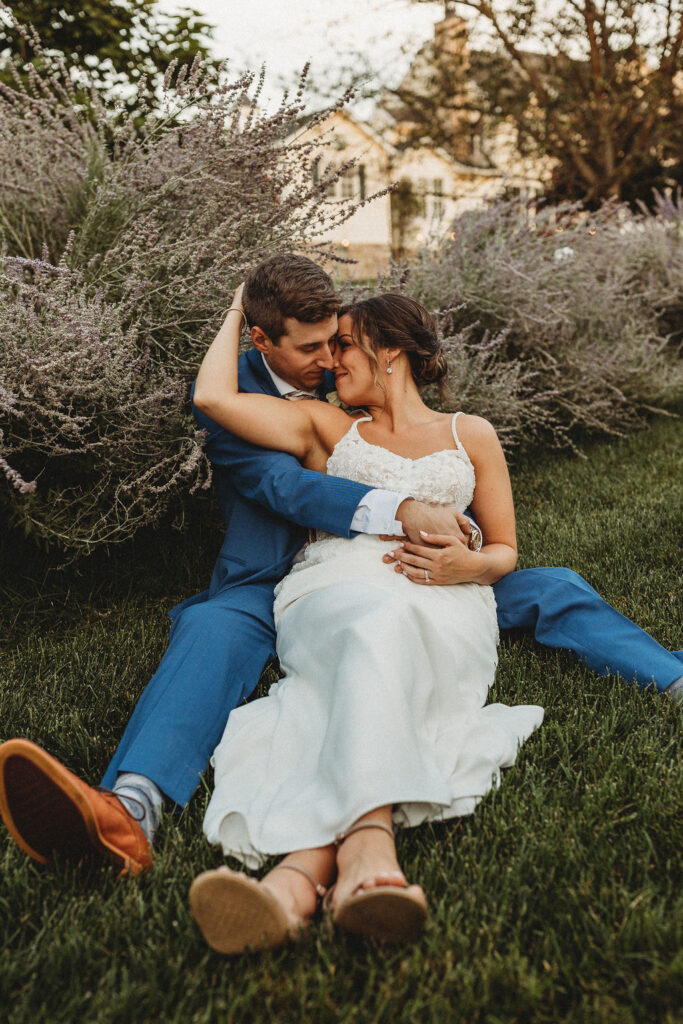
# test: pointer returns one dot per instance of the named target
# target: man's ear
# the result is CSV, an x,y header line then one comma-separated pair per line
x,y
260,340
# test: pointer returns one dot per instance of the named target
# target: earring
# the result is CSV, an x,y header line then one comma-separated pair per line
x,y
389,370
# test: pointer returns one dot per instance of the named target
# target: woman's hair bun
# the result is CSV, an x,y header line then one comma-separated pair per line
x,y
432,369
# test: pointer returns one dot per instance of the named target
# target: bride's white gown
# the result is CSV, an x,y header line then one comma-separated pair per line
x,y
384,692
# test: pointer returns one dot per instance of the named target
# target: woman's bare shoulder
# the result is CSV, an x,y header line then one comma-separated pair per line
x,y
476,434
475,427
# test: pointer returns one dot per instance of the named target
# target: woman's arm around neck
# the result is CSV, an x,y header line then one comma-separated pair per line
x,y
308,430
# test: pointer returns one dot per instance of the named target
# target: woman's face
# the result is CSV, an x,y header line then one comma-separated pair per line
x,y
353,373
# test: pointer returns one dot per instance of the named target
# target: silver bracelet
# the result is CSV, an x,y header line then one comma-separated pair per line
x,y
237,309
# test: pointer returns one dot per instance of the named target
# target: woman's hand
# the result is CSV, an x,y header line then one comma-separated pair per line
x,y
445,558
237,298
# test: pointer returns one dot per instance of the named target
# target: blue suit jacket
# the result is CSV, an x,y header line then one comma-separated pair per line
x,y
267,499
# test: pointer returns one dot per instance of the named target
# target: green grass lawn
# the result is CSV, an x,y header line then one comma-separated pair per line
x,y
558,900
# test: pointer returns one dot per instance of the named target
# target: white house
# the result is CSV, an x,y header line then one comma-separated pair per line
x,y
366,236
430,187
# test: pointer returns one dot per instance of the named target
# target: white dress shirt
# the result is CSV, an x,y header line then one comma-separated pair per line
x,y
376,512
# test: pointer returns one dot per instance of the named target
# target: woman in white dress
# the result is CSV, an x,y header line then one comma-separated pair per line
x,y
379,720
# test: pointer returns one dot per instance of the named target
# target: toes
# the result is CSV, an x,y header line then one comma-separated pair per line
x,y
392,878
417,892
396,878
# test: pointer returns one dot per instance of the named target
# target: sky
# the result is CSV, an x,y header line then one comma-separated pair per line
x,y
329,33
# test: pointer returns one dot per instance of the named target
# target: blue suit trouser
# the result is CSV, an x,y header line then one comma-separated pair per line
x,y
564,611
218,648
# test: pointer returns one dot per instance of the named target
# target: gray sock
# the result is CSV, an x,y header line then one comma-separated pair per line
x,y
142,798
675,689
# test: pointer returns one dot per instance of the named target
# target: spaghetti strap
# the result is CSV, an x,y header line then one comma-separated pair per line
x,y
455,432
458,443
354,426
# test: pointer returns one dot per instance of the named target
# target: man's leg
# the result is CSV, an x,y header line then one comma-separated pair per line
x,y
565,611
215,656
216,653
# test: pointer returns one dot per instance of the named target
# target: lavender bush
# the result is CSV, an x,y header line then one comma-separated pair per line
x,y
122,244
95,438
558,323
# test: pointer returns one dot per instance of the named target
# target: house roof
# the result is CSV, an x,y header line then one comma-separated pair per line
x,y
361,126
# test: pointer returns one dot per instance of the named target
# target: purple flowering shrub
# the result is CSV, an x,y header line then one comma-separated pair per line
x,y
560,323
121,243
95,437
207,191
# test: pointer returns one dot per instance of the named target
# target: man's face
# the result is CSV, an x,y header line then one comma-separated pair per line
x,y
303,353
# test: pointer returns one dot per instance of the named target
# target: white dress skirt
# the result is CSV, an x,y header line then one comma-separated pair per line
x,y
385,684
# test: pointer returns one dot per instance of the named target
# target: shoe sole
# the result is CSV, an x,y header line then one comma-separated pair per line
x,y
234,914
386,913
45,813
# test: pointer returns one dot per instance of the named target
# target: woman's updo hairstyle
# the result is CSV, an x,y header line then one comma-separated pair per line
x,y
395,321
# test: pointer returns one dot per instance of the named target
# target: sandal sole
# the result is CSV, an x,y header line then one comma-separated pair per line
x,y
385,913
234,914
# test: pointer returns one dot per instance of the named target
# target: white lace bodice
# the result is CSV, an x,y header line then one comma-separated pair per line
x,y
445,477
442,478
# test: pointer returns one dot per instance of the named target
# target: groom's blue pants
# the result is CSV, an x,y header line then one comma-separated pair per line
x,y
219,646
217,649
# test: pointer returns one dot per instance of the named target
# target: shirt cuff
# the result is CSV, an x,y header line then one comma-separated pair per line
x,y
376,513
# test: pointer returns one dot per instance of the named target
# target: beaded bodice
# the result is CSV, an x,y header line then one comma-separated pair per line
x,y
443,478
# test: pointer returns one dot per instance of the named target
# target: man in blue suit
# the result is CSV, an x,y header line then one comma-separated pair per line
x,y
221,639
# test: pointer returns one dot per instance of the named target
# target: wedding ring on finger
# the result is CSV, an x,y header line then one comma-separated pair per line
x,y
426,576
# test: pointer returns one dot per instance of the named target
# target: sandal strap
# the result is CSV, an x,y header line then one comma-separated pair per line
x,y
320,889
341,836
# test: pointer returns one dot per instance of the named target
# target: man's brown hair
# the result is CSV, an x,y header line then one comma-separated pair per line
x,y
287,285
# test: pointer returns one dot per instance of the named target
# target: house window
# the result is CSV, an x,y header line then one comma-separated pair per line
x,y
347,184
361,180
437,199
421,196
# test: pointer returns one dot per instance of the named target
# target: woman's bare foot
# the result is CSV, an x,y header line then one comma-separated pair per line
x,y
295,894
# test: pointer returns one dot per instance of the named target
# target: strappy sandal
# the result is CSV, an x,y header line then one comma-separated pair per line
x,y
386,912
235,913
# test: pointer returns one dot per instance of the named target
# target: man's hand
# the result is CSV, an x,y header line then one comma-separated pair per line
x,y
436,561
418,515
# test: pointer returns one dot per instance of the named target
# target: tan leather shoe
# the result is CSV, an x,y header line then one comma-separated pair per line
x,y
48,811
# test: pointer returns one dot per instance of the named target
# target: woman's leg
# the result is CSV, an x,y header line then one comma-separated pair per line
x,y
293,889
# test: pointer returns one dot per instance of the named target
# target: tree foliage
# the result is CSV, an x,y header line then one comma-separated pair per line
x,y
596,85
120,42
